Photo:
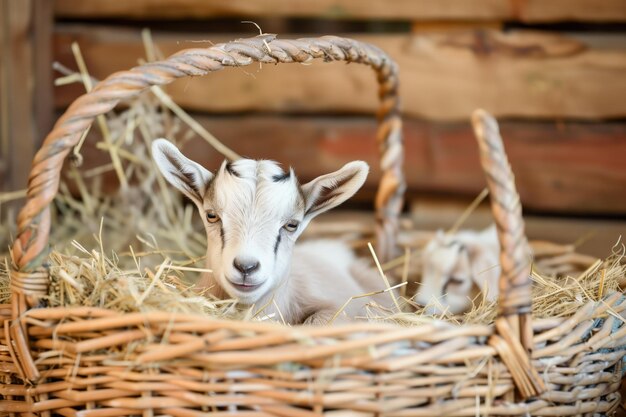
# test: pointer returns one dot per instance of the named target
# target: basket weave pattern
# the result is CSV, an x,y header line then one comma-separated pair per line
x,y
96,362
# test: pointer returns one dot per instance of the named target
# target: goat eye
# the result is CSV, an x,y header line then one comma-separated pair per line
x,y
455,281
291,226
212,217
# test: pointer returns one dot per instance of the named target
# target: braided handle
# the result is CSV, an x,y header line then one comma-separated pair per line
x,y
29,249
515,284
515,334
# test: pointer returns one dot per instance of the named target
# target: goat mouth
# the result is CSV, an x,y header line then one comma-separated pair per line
x,y
245,287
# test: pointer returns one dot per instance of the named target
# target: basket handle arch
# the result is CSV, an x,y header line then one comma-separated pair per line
x,y
29,280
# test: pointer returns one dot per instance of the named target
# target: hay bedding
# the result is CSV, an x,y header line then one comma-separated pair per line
x,y
141,249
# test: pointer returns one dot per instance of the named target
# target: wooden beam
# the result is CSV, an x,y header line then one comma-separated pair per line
x,y
444,76
525,11
42,29
594,237
560,168
4,96
26,104
591,236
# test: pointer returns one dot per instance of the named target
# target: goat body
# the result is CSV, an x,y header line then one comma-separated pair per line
x,y
324,275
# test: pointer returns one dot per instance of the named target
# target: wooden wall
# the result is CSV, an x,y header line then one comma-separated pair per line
x,y
26,103
553,71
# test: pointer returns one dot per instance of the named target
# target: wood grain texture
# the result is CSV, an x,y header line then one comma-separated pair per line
x,y
26,104
4,97
43,22
444,76
525,11
560,168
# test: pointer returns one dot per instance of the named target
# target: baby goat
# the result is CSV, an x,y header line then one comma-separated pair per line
x,y
453,265
253,213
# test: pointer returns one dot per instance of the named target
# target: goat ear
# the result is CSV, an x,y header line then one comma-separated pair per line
x,y
330,190
191,178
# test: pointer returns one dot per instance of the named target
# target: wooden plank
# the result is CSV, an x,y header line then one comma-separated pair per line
x,y
560,168
443,76
26,86
42,28
525,11
593,237
4,95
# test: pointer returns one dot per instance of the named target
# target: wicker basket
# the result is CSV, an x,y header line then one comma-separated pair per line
x,y
63,361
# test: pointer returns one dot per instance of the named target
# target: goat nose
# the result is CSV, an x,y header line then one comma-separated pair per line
x,y
246,266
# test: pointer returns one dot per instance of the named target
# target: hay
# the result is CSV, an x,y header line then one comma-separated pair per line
x,y
131,233
142,248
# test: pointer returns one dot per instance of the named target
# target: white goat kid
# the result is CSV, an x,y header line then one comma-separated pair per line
x,y
453,265
253,213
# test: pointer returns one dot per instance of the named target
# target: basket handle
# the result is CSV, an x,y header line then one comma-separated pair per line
x,y
30,247
514,337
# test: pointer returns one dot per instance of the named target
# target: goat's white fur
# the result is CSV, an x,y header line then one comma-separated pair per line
x,y
452,264
254,201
